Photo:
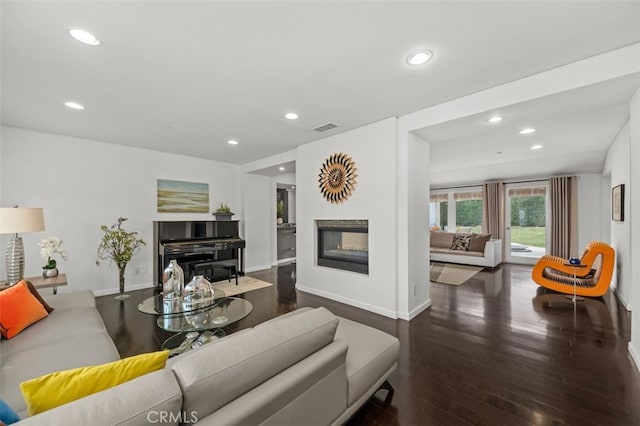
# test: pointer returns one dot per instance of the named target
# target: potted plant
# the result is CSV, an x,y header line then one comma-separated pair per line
x,y
280,211
223,212
49,247
119,246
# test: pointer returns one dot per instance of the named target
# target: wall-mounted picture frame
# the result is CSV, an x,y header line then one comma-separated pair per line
x,y
182,197
617,203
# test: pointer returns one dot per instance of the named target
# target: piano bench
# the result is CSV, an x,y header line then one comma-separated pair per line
x,y
203,268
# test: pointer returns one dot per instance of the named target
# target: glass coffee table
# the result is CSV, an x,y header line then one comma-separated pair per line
x,y
158,305
195,327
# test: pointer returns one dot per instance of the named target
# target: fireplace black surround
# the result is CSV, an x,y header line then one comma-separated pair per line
x,y
343,244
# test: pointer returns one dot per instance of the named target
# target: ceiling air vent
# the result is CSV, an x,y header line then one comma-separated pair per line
x,y
328,126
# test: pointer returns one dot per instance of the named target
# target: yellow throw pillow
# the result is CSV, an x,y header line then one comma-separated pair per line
x,y
59,388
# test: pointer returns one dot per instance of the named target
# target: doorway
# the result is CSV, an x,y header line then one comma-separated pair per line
x,y
285,222
527,219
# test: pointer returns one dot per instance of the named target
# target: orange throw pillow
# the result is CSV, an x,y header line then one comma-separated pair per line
x,y
18,310
35,293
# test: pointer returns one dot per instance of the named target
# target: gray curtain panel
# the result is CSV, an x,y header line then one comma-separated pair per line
x,y
563,200
493,210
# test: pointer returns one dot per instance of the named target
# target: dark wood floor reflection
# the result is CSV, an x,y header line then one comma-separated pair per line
x,y
493,351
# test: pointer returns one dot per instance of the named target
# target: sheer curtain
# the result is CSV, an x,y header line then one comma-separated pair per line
x,y
564,214
493,210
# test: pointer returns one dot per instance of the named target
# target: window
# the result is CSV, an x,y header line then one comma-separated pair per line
x,y
468,211
438,211
528,219
456,210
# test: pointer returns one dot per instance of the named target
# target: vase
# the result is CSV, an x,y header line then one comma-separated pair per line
x,y
197,294
172,281
50,273
223,216
121,268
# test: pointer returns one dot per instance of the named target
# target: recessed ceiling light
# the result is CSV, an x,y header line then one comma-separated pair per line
x,y
281,168
73,105
291,116
536,147
495,119
232,142
527,131
84,37
419,57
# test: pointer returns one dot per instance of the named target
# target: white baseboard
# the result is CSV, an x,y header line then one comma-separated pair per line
x,y
635,356
257,268
287,260
367,307
116,290
624,303
415,311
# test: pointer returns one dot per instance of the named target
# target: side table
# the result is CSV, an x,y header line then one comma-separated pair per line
x,y
575,298
40,282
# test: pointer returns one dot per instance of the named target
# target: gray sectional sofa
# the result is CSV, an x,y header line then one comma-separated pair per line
x,y
306,367
482,250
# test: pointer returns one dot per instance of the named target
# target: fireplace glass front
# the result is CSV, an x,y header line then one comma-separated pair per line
x,y
344,245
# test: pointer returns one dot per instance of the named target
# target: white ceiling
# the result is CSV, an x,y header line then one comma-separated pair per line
x,y
187,76
574,127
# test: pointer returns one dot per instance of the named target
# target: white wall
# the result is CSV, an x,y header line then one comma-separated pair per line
x,y
417,233
617,165
589,210
258,221
82,184
291,214
634,220
265,201
1,205
605,214
373,150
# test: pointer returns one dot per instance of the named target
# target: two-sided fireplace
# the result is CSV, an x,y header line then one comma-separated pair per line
x,y
344,244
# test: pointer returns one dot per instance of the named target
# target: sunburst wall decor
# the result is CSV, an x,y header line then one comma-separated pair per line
x,y
337,177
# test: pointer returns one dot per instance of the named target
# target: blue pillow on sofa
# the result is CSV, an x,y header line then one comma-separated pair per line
x,y
7,415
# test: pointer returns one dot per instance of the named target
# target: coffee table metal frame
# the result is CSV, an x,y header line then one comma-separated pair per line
x,y
191,321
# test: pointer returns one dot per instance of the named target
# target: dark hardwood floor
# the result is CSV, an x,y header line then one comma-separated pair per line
x,y
493,351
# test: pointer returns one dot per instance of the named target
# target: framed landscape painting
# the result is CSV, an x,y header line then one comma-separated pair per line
x,y
617,203
182,197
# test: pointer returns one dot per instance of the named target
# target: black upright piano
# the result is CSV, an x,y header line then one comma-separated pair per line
x,y
192,242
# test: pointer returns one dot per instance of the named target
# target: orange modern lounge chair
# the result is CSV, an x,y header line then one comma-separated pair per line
x,y
592,280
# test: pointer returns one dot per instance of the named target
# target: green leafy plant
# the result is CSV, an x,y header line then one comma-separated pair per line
x,y
224,209
280,209
118,245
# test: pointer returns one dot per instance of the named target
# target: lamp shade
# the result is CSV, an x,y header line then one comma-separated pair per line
x,y
18,220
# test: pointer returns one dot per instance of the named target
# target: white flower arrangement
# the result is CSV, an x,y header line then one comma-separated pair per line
x,y
49,247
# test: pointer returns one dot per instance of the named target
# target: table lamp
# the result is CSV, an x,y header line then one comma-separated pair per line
x,y
14,220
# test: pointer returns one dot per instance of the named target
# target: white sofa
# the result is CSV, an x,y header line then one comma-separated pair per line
x,y
488,253
305,367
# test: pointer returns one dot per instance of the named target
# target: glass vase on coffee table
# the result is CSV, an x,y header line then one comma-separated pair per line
x,y
173,280
160,305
